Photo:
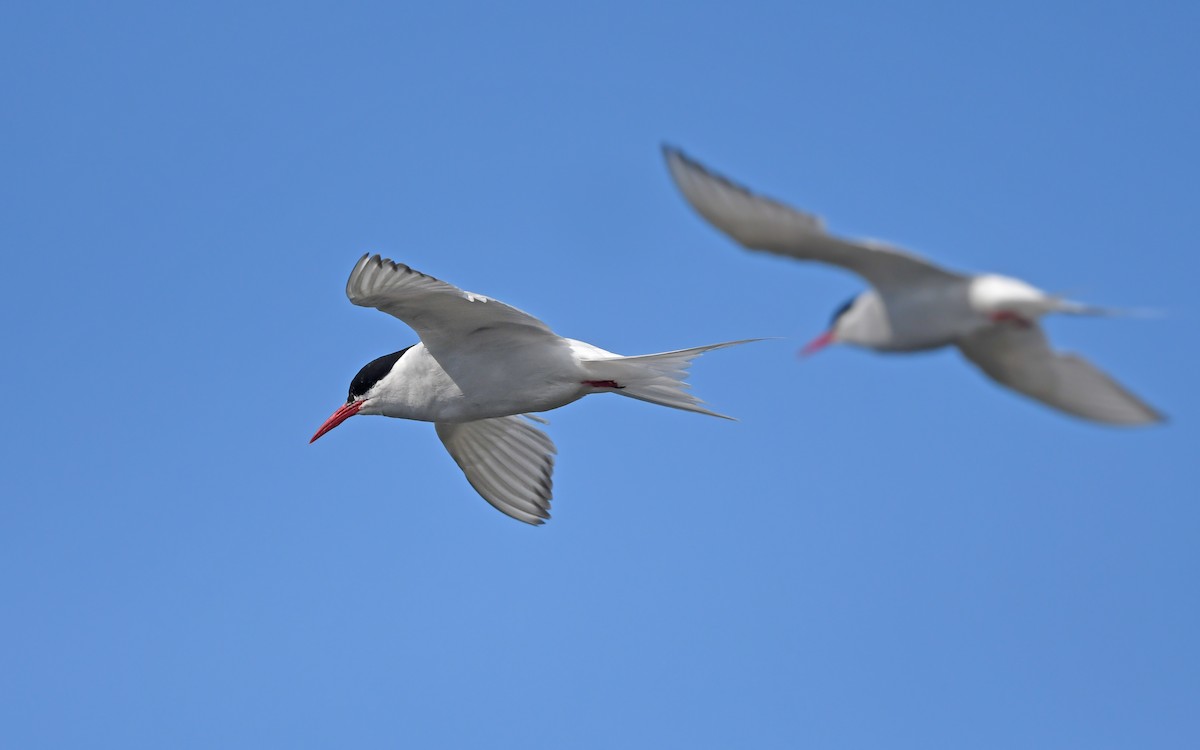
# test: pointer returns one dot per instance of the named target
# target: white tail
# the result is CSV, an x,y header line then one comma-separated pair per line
x,y
657,378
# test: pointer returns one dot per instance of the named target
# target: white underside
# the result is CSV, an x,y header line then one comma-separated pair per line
x,y
479,383
994,321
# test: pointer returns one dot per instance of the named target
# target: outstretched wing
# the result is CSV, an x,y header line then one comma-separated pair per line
x,y
507,460
760,223
1021,359
442,314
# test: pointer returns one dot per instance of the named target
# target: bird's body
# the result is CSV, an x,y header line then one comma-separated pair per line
x,y
480,368
479,382
489,378
943,312
913,322
915,305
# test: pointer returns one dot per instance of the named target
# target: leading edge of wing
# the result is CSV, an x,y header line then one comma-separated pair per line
x,y
761,223
426,303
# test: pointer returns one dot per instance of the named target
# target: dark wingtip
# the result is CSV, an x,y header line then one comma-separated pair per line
x,y
674,153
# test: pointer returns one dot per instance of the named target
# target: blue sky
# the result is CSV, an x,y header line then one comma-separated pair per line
x,y
883,552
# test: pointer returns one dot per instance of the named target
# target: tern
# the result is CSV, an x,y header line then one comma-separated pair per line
x,y
479,371
915,305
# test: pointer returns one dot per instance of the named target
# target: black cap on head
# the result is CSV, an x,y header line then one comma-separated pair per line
x,y
372,373
842,310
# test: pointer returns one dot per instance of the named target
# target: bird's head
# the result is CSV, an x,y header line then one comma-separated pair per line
x,y
841,321
362,388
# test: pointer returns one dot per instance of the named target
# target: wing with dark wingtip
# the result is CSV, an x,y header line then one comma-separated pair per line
x,y
760,223
442,314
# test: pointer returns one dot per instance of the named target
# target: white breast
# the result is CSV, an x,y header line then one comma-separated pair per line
x,y
476,383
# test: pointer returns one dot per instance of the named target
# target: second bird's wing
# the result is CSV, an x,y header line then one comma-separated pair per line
x,y
443,315
1022,359
507,460
760,223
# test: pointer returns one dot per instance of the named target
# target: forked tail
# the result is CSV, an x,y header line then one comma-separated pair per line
x,y
657,378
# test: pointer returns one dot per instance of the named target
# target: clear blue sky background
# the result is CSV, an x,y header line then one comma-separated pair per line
x,y
883,552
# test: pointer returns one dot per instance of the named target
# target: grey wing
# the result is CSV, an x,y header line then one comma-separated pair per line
x,y
440,313
1022,359
508,461
760,223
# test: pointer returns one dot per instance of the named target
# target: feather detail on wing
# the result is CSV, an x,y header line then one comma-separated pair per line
x,y
440,313
508,461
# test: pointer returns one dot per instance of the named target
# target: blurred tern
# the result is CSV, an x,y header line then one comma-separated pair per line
x,y
915,305
481,366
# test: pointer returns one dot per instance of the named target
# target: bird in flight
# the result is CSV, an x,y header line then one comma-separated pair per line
x,y
915,305
479,371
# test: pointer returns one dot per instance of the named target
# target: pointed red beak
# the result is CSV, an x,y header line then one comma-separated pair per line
x,y
341,415
817,344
